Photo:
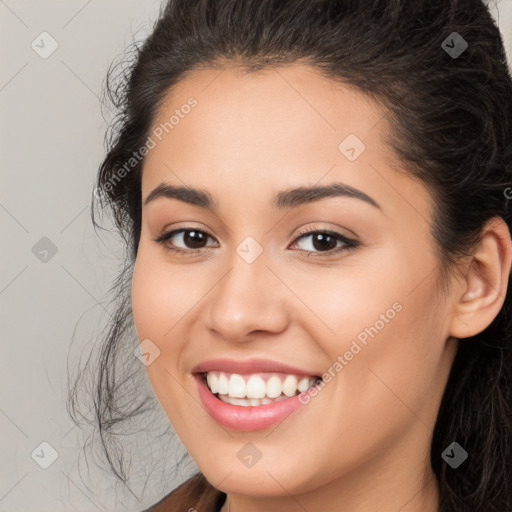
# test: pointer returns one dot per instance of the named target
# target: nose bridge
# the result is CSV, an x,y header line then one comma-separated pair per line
x,y
248,297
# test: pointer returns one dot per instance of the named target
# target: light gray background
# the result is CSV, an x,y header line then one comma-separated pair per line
x,y
52,132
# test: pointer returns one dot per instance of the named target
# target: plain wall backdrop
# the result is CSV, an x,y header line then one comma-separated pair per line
x,y
55,270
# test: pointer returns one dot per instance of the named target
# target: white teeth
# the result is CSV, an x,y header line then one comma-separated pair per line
x,y
246,402
290,385
222,384
258,389
274,387
212,381
224,398
302,385
239,401
237,386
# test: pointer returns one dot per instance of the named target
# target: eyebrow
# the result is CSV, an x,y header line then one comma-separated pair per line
x,y
290,198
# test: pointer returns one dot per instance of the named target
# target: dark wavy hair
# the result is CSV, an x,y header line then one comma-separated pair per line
x,y
450,119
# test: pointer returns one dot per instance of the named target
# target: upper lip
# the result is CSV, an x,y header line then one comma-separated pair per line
x,y
248,366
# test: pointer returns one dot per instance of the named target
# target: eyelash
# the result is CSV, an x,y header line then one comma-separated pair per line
x,y
349,243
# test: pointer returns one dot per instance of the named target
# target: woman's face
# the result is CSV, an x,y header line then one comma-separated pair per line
x,y
250,285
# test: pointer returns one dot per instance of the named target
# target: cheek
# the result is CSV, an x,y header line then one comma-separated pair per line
x,y
392,357
146,301
163,298
339,303
157,304
382,333
159,299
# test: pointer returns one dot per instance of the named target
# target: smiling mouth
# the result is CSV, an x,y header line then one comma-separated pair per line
x,y
257,388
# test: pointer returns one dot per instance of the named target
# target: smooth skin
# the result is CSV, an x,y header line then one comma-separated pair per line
x,y
363,443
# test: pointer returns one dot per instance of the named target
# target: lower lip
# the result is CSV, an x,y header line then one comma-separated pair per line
x,y
249,417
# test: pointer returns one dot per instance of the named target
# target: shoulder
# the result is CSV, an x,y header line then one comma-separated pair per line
x,y
195,493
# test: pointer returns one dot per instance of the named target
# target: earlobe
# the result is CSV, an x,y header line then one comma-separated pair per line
x,y
484,285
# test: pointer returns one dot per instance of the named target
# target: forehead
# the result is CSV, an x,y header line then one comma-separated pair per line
x,y
264,118
271,130
295,97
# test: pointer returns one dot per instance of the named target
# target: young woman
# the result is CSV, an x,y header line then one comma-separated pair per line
x,y
315,196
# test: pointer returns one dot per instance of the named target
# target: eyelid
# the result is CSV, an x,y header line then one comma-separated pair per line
x,y
333,231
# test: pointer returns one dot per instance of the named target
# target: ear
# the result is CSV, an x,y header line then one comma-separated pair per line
x,y
481,293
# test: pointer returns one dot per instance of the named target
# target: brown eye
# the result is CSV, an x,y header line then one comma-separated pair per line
x,y
194,239
322,242
327,242
191,239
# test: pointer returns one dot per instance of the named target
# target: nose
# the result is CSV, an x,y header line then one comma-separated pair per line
x,y
248,299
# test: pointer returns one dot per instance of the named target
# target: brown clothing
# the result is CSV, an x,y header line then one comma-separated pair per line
x,y
195,494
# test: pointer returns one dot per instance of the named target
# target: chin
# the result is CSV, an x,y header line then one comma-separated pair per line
x,y
262,480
